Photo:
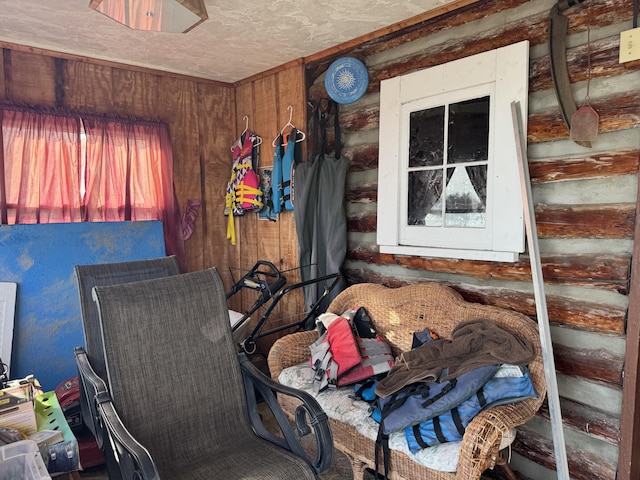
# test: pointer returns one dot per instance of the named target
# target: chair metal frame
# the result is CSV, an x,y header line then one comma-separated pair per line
x,y
135,462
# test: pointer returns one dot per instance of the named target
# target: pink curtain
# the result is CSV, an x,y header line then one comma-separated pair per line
x,y
124,173
129,176
40,161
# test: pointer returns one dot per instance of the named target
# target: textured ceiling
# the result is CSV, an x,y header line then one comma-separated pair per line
x,y
237,41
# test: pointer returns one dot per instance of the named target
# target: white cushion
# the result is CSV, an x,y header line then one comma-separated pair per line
x,y
340,405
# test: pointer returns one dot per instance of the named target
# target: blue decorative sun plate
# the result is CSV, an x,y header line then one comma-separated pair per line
x,y
347,80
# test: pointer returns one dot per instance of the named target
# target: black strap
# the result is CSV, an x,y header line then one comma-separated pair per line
x,y
481,398
394,402
322,111
382,443
319,128
284,196
438,430
418,436
457,421
337,147
443,392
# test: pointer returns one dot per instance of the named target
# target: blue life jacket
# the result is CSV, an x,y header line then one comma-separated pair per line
x,y
450,426
422,401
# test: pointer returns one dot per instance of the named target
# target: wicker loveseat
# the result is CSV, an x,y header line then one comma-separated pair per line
x,y
397,313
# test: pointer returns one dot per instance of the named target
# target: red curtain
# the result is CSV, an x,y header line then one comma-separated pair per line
x,y
123,170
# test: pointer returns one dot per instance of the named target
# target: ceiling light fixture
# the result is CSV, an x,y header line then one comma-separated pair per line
x,y
176,16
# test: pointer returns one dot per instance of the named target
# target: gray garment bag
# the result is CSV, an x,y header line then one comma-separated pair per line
x,y
319,211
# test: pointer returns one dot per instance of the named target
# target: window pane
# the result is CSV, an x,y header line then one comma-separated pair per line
x,y
466,197
469,131
425,190
426,137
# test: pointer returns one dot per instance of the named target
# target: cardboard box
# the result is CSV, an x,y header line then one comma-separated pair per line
x,y
16,408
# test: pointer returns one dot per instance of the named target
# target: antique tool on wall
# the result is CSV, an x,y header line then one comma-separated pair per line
x,y
584,123
558,24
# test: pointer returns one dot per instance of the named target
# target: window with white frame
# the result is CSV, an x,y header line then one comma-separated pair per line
x,y
448,182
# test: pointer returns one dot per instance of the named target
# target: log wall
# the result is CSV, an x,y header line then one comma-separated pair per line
x,y
585,207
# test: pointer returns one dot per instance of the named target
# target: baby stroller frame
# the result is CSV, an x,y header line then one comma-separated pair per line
x,y
270,283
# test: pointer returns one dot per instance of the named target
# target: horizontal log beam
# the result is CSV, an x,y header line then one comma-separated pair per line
x,y
619,112
362,193
562,311
362,157
597,271
586,419
582,465
603,52
599,165
362,222
553,221
585,221
600,366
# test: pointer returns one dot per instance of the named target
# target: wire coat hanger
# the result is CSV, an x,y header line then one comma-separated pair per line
x,y
246,124
256,139
289,124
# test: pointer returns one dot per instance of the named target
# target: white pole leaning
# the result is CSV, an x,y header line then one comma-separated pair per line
x,y
553,400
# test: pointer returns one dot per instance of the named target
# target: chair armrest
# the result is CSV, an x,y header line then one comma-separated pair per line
x,y
133,460
90,385
481,442
290,350
309,416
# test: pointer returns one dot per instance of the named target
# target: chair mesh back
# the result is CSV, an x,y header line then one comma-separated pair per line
x,y
89,276
172,365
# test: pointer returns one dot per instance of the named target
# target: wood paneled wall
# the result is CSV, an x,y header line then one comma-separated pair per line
x,y
265,100
200,114
205,117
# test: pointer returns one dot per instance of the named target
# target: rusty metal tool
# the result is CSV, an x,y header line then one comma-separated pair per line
x,y
558,24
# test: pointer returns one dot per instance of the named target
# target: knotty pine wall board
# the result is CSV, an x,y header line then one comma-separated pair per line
x,y
200,134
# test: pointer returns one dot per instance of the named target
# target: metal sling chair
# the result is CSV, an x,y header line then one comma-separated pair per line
x,y
182,402
102,274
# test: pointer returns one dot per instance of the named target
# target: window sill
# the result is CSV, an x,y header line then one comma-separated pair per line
x,y
483,255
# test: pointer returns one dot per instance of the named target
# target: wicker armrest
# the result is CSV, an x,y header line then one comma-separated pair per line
x,y
290,350
483,435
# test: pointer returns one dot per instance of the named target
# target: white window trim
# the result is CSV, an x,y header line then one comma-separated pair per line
x,y
508,69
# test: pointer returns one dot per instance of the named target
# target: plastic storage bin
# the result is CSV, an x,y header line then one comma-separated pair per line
x,y
22,461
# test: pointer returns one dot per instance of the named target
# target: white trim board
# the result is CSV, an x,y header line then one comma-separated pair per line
x,y
7,314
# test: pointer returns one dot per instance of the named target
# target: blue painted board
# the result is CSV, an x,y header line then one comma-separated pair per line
x,y
40,259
